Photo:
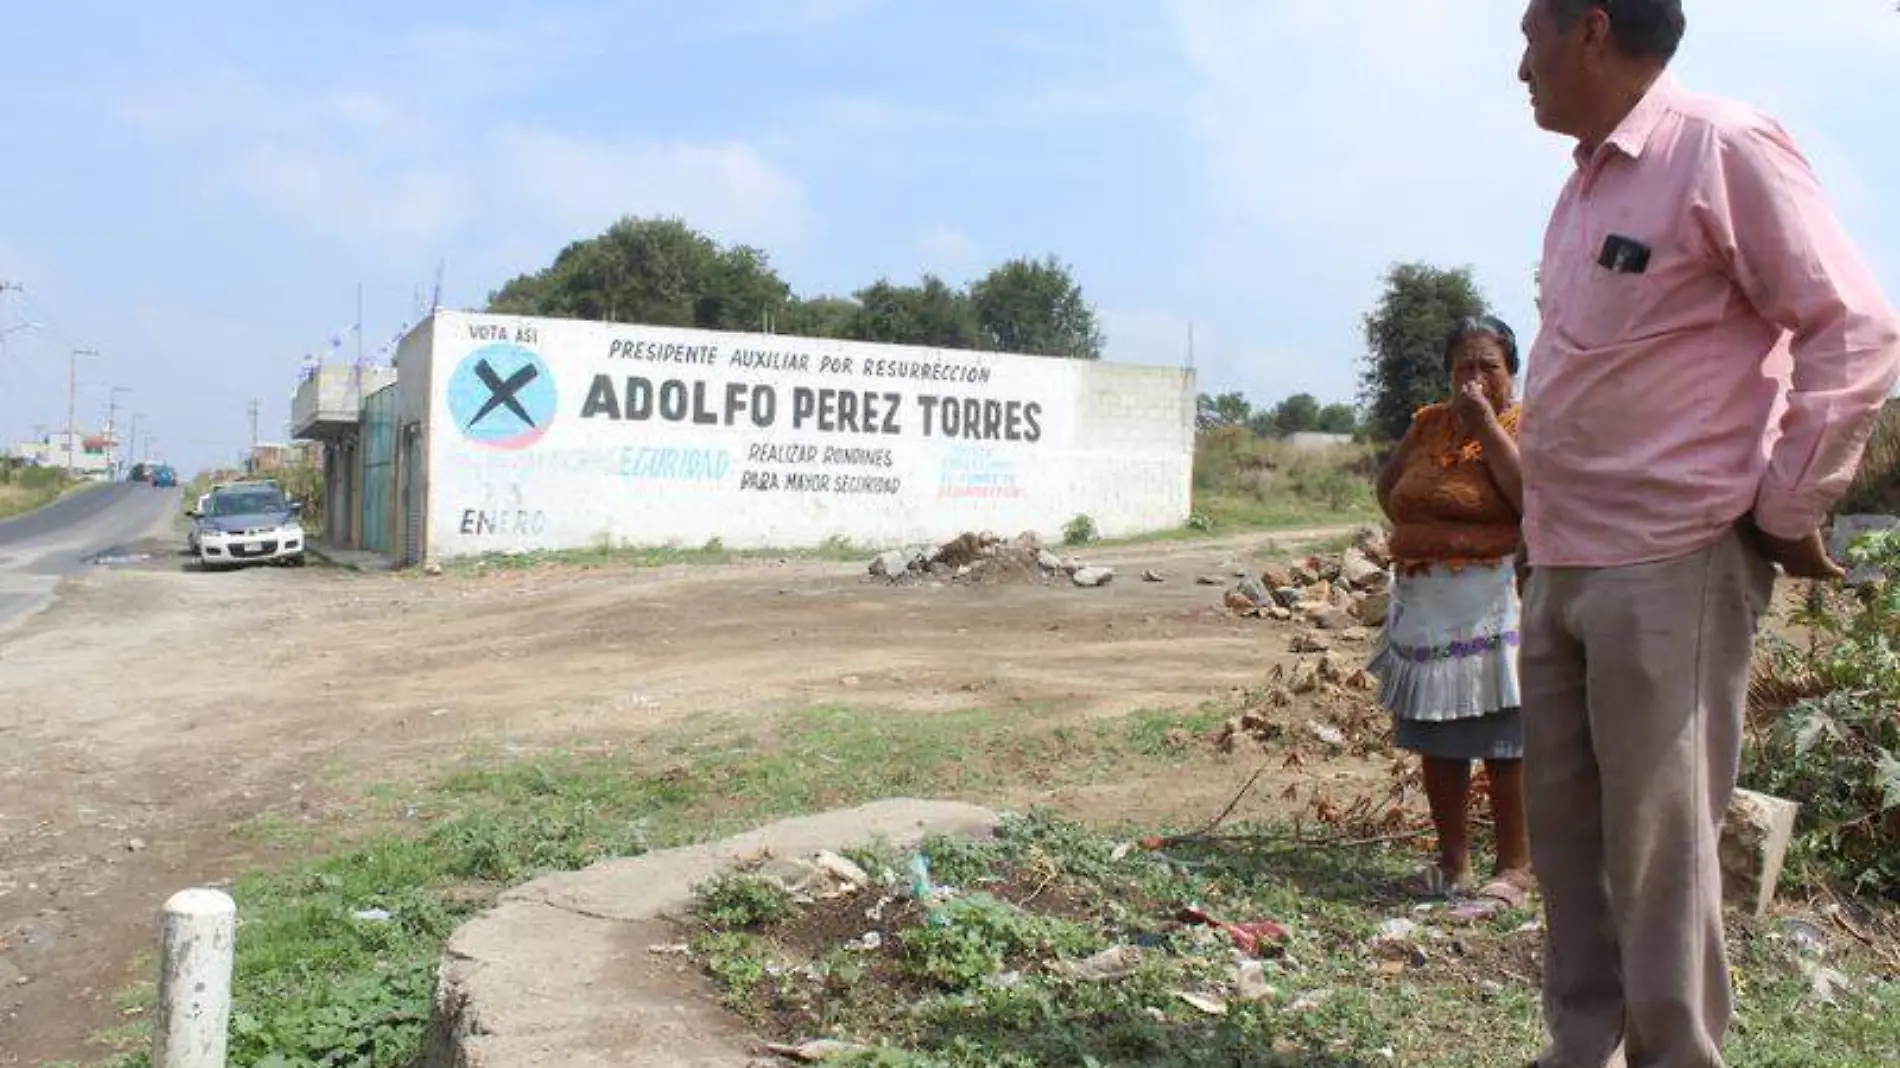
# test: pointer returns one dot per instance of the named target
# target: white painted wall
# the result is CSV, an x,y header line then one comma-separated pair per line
x,y
665,436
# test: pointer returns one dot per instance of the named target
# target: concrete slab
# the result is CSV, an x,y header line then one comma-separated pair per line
x,y
561,971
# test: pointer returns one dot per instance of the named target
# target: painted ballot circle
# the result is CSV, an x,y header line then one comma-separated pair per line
x,y
502,396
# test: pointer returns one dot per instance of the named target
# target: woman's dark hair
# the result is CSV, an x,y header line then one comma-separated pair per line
x,y
1482,326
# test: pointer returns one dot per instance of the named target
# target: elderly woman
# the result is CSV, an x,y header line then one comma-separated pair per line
x,y
1447,660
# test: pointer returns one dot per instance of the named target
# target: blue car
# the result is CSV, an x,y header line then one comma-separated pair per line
x,y
164,476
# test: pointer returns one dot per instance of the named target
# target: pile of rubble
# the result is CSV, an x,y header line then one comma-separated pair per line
x,y
985,559
1331,683
1335,592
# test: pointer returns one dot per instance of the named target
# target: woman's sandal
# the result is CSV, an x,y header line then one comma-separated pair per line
x,y
1513,890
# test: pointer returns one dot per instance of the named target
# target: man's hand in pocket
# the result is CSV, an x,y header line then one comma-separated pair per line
x,y
1801,558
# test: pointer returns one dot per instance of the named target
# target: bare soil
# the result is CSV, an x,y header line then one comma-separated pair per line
x,y
152,711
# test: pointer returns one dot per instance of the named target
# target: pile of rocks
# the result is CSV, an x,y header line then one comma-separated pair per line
x,y
1334,685
983,558
1334,592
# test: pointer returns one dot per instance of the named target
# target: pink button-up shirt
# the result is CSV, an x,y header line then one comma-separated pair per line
x,y
1740,369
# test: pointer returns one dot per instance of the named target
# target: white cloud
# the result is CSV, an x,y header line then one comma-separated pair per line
x,y
789,16
379,170
1264,372
945,251
725,187
399,209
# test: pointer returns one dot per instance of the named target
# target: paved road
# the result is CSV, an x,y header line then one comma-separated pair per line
x,y
40,548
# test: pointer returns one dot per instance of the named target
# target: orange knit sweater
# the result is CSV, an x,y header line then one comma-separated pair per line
x,y
1445,507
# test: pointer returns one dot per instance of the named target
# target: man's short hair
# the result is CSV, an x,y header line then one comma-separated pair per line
x,y
1643,29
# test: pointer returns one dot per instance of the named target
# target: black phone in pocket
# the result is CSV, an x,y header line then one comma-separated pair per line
x,y
1624,255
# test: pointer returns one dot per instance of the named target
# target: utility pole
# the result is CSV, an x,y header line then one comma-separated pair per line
x,y
251,459
112,429
132,448
72,408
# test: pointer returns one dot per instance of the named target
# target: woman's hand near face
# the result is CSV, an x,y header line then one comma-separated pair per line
x,y
1474,411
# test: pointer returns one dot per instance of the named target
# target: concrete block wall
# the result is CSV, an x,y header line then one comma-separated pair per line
x,y
629,435
1139,475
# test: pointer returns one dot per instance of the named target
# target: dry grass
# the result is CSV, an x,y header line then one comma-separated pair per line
x,y
1243,480
20,498
1876,488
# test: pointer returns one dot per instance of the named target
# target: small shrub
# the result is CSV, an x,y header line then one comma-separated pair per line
x,y
1079,531
980,936
743,902
1200,521
1836,749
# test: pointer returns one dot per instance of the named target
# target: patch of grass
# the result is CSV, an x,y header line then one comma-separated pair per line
x,y
27,489
337,955
984,978
714,552
1246,482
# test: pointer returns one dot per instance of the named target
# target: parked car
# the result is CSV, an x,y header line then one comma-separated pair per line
x,y
248,523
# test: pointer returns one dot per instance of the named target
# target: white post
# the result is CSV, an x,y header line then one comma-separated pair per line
x,y
198,942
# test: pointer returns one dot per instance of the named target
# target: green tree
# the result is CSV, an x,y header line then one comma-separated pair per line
x,y
1339,419
1404,365
1036,307
1228,409
657,271
929,313
818,317
1297,414
662,272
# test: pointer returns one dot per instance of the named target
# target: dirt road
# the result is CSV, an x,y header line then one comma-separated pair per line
x,y
151,710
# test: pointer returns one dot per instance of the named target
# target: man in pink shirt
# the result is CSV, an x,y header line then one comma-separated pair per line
x,y
1712,356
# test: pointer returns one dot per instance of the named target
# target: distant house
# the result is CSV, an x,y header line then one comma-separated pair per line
x,y
91,456
1313,439
268,457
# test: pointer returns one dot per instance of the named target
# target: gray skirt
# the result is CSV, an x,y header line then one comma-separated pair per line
x,y
1498,736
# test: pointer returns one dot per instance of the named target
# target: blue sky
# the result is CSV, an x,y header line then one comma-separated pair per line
x,y
197,194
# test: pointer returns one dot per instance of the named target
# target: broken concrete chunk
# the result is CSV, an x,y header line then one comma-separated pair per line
x,y
1330,618
842,868
1310,642
815,1051
1090,577
1358,571
890,564
1754,844
1373,610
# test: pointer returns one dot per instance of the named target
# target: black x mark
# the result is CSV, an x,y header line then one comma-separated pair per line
x,y
503,393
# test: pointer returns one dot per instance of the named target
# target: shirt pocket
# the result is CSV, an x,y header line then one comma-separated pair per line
x,y
1605,304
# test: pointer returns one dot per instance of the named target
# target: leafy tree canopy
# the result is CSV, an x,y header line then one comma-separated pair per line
x,y
662,272
1404,363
